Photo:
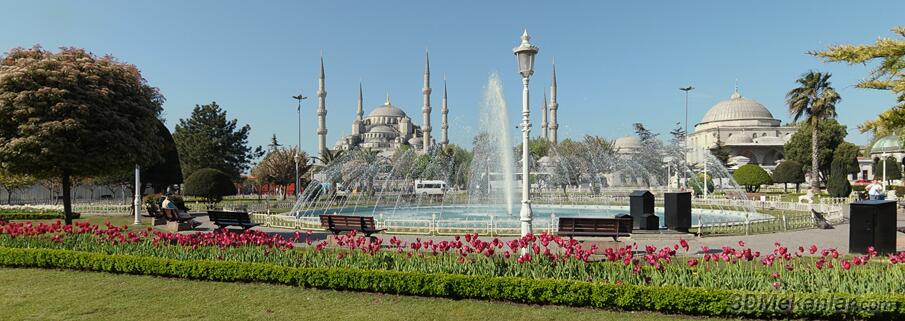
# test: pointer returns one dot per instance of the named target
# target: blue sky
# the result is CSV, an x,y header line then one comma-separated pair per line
x,y
617,62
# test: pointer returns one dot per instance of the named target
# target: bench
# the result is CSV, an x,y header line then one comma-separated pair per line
x,y
222,219
344,223
586,226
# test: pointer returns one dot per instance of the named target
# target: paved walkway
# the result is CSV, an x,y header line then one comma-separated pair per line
x,y
835,238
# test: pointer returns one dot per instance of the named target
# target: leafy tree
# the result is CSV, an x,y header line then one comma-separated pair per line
x,y
893,169
73,114
888,75
838,185
721,152
799,147
12,183
752,177
814,100
168,170
789,172
278,167
207,139
210,184
848,153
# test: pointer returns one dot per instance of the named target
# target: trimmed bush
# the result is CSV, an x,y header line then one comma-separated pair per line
x,y
12,216
789,172
209,184
838,185
752,177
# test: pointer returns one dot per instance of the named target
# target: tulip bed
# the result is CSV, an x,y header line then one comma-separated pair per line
x,y
658,276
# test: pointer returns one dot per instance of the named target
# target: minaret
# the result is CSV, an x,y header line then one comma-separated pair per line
x,y
426,127
321,113
361,112
444,125
553,107
543,119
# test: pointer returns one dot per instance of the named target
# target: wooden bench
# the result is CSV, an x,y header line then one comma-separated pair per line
x,y
224,218
344,223
585,226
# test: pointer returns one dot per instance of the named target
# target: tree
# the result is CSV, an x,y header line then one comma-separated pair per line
x,y
799,147
814,99
73,114
848,154
210,184
752,177
699,180
893,169
167,171
838,185
651,161
888,75
278,167
12,183
789,172
207,139
721,152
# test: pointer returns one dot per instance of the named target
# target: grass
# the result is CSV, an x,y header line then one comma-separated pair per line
x,y
36,294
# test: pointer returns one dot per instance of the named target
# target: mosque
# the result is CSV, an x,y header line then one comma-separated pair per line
x,y
388,127
747,128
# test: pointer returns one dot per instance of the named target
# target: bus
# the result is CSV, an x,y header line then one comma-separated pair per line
x,y
425,187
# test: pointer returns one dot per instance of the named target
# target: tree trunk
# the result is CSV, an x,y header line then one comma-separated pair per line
x,y
67,200
815,178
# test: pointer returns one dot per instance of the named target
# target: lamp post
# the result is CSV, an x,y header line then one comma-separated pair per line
x,y
298,148
685,143
524,55
136,202
884,155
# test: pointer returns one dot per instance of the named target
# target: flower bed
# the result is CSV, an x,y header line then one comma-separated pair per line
x,y
18,212
800,269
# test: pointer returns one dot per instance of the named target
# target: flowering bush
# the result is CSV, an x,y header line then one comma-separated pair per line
x,y
543,256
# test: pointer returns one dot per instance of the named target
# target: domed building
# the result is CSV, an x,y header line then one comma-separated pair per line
x,y
386,128
628,145
887,146
744,126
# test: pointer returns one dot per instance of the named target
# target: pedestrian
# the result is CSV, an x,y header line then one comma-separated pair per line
x,y
875,190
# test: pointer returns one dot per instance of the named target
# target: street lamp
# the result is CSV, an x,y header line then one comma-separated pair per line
x,y
884,155
298,148
524,55
685,143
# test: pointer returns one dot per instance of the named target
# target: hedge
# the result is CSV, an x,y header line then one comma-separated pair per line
x,y
9,216
691,301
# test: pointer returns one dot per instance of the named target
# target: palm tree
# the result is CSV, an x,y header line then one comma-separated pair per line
x,y
814,100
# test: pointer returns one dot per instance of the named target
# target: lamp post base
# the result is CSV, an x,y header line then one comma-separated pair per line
x,y
525,217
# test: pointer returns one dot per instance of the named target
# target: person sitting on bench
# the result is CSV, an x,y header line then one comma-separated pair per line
x,y
169,204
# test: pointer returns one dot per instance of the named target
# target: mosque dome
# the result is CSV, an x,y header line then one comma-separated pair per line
x,y
416,141
382,129
737,108
627,144
887,144
387,110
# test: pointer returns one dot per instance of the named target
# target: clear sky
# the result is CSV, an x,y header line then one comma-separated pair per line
x,y
617,62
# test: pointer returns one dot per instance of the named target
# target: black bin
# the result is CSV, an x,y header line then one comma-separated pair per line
x,y
648,222
641,203
873,223
677,211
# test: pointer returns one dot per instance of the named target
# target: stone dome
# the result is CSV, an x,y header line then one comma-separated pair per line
x,y
627,144
887,144
415,141
736,108
387,110
383,129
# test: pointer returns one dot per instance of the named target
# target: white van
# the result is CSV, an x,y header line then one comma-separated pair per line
x,y
424,187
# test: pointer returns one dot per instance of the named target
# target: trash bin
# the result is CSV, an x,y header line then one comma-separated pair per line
x,y
640,203
873,223
677,211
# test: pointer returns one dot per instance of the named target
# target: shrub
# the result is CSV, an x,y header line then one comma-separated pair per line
x,y
698,180
838,185
752,177
11,216
789,172
893,169
209,184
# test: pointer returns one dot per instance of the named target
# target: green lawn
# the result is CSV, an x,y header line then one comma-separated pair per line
x,y
36,294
